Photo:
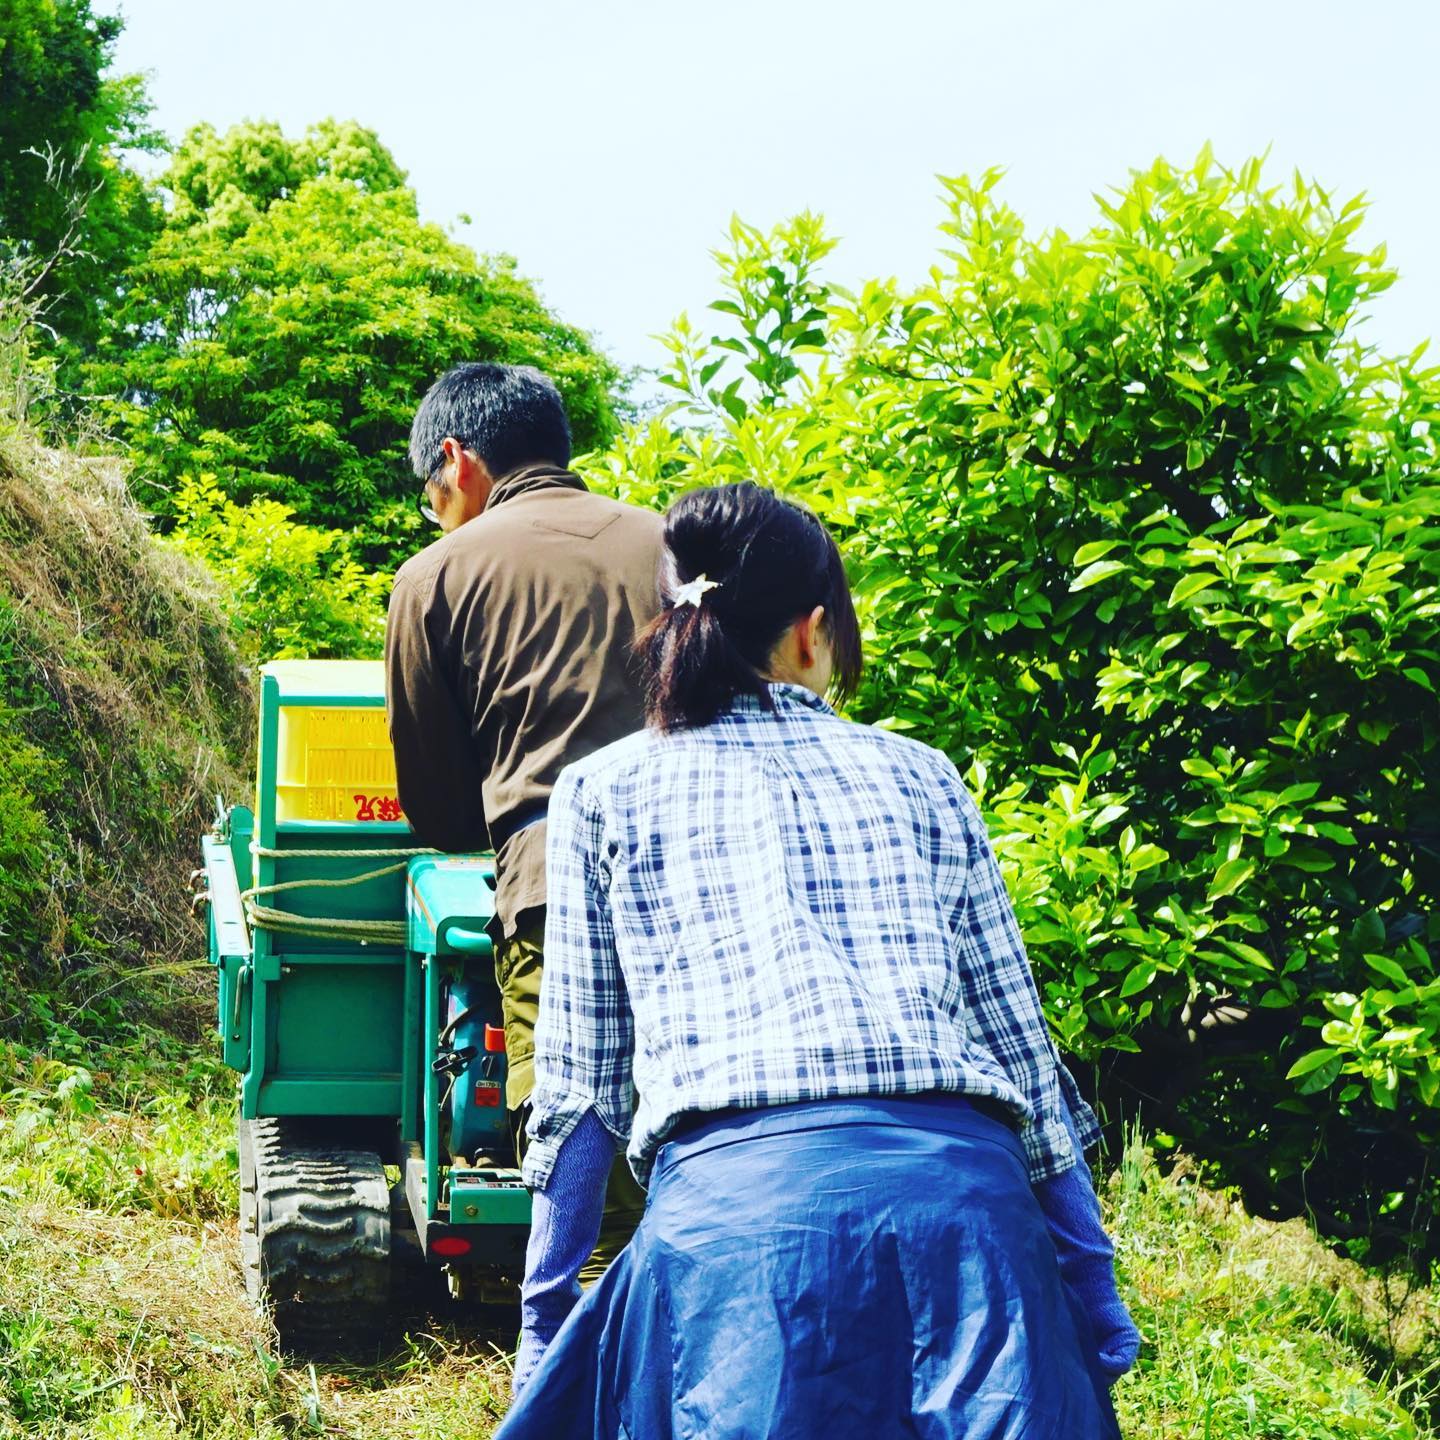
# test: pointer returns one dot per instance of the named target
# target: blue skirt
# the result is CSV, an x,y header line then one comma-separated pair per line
x,y
859,1268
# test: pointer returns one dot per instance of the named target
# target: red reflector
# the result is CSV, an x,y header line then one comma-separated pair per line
x,y
494,1040
487,1094
451,1245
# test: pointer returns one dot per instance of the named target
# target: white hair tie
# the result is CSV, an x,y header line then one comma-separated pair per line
x,y
693,591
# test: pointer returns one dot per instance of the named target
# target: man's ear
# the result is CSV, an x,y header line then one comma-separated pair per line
x,y
451,449
470,471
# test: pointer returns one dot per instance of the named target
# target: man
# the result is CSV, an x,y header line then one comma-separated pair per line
x,y
507,655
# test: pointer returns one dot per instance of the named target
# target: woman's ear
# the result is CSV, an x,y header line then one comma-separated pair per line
x,y
807,629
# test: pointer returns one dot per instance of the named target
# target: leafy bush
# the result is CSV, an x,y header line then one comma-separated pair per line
x,y
291,590
29,851
1145,538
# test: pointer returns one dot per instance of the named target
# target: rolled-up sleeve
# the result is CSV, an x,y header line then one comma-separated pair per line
x,y
584,1037
436,770
1005,1016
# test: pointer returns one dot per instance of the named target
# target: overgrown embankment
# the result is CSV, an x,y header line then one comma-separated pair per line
x,y
123,710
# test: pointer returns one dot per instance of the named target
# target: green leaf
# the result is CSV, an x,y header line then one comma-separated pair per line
x,y
1230,877
1369,929
1309,858
1137,979
1385,966
1191,585
1258,958
1093,551
1146,857
916,659
1310,620
1094,574
1402,1035
1312,1061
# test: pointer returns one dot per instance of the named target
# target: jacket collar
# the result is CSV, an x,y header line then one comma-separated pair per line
x,y
526,478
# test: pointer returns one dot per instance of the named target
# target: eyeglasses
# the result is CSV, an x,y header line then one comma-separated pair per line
x,y
422,499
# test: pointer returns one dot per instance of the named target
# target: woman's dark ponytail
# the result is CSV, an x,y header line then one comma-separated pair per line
x,y
741,565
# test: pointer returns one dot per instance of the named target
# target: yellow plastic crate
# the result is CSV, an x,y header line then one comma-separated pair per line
x,y
334,763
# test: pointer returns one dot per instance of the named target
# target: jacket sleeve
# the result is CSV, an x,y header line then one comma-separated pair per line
x,y
435,763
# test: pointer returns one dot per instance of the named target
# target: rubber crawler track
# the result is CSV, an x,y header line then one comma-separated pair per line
x,y
314,1236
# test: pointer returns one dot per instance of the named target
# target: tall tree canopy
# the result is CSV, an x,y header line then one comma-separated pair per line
x,y
65,197
1146,538
281,330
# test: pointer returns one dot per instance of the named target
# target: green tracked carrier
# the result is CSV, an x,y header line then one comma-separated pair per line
x,y
357,1001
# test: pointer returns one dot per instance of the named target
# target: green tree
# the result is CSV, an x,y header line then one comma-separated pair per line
x,y
291,591
66,199
1146,541
283,327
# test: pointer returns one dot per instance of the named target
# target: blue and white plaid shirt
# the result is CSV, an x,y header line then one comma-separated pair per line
x,y
779,906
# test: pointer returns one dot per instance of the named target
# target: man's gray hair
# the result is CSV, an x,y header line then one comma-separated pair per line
x,y
508,415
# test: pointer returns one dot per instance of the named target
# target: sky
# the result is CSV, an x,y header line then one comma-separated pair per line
x,y
605,145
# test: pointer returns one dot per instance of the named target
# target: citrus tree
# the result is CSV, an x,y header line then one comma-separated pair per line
x,y
1146,540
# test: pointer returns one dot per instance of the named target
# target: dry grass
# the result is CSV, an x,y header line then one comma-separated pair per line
x,y
128,1324
441,1381
120,684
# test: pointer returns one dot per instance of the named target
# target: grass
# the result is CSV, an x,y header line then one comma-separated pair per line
x,y
122,1315
1257,1329
122,1312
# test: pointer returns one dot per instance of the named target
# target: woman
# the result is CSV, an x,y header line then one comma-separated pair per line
x,y
787,935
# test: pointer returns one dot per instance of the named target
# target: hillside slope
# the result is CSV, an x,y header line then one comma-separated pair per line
x,y
123,709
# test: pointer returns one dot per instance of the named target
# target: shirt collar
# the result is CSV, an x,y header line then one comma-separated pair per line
x,y
525,478
785,697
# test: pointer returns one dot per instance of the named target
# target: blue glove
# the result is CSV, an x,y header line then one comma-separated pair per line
x,y
1087,1259
564,1226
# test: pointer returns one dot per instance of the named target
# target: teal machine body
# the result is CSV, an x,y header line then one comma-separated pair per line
x,y
357,1002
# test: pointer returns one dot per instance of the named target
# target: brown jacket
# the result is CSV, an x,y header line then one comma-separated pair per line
x,y
507,656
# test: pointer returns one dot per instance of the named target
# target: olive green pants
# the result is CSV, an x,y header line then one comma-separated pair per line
x,y
518,963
